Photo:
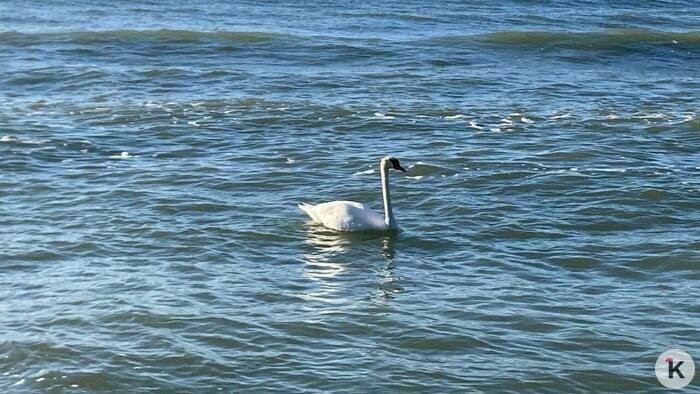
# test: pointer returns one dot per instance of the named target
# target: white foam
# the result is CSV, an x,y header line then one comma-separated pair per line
x,y
526,120
495,129
366,172
561,116
460,116
686,118
383,116
653,116
290,160
11,138
473,125
123,155
419,163
95,110
608,169
40,379
417,177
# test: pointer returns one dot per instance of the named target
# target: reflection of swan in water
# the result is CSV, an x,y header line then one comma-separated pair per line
x,y
388,285
388,246
327,244
327,261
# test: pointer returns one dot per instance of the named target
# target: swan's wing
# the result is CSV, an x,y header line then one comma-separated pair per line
x,y
327,209
357,205
310,210
344,216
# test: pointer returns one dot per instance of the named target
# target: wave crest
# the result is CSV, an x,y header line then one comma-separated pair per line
x,y
138,35
600,39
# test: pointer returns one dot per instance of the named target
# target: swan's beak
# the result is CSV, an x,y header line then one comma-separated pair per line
x,y
396,165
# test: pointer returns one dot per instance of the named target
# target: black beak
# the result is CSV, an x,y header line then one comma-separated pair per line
x,y
396,165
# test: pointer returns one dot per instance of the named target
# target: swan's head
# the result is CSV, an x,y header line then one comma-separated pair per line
x,y
392,162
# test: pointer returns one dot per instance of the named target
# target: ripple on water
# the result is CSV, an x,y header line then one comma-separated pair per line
x,y
150,179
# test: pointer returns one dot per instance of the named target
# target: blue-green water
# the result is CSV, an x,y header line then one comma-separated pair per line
x,y
551,228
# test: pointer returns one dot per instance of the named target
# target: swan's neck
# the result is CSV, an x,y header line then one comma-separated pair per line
x,y
388,212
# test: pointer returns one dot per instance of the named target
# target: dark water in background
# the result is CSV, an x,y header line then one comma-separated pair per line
x,y
551,219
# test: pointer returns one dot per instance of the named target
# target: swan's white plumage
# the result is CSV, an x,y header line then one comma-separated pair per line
x,y
353,216
345,216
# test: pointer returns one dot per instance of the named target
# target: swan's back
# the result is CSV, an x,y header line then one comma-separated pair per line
x,y
344,216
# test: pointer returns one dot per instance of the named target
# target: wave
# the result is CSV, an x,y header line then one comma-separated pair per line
x,y
600,39
137,35
582,40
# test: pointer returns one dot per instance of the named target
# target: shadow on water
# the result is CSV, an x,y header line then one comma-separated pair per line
x,y
335,254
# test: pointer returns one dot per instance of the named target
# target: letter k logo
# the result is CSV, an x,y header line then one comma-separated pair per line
x,y
672,369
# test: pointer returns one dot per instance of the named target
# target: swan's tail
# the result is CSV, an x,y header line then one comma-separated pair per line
x,y
309,209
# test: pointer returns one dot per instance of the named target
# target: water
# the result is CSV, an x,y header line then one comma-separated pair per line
x,y
550,212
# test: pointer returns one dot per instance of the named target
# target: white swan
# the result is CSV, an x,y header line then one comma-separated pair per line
x,y
353,216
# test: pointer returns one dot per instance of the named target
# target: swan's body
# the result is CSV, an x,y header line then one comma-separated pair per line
x,y
345,216
354,216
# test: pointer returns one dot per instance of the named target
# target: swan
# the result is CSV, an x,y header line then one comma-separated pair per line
x,y
354,216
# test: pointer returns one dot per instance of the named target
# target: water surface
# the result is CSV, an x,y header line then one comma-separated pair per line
x,y
152,156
